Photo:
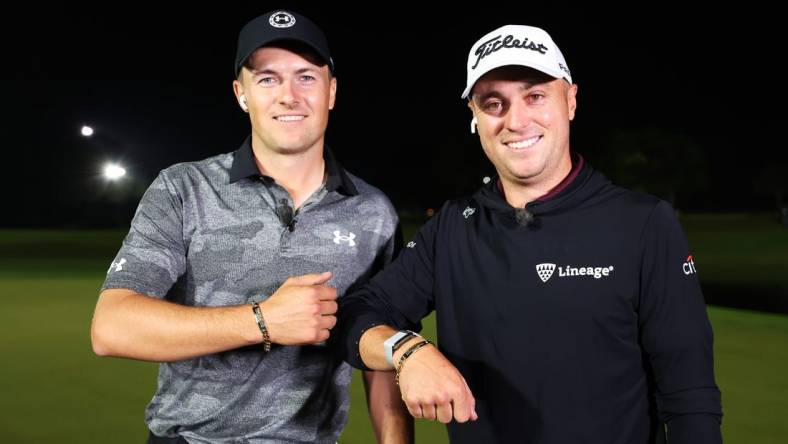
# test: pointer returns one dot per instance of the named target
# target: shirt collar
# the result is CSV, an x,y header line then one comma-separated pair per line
x,y
577,165
244,165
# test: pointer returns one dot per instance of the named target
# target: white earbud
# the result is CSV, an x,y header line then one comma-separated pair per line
x,y
243,104
473,125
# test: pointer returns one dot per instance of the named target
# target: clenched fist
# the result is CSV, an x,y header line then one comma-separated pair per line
x,y
434,389
301,311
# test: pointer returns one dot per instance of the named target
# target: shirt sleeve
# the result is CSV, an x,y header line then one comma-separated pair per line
x,y
153,254
392,247
399,296
676,334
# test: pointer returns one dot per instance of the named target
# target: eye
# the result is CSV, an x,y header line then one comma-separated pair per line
x,y
492,106
307,78
535,97
266,80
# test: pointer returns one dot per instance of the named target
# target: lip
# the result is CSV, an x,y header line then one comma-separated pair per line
x,y
290,118
522,143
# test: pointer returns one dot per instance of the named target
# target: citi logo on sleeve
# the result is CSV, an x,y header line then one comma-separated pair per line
x,y
689,266
545,271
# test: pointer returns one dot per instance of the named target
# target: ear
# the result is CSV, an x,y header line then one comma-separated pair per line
x,y
474,121
238,90
332,92
571,100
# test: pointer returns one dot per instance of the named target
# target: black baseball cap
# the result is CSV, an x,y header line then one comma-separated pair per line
x,y
280,25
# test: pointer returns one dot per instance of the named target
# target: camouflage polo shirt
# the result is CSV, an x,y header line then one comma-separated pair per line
x,y
206,234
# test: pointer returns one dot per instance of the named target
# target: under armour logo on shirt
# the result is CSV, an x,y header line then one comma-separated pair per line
x,y
118,266
339,238
468,212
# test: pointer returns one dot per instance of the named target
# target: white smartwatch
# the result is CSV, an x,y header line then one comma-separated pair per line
x,y
395,341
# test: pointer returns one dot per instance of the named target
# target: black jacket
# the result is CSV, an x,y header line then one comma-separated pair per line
x,y
585,326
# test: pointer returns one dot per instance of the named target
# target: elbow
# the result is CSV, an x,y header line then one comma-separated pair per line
x,y
100,338
105,332
100,349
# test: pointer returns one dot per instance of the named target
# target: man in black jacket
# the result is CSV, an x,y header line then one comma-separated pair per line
x,y
568,309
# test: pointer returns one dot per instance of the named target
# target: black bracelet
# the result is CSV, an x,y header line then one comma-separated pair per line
x,y
402,340
258,315
413,349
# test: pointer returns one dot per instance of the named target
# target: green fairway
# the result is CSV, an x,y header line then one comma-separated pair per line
x,y
751,360
55,390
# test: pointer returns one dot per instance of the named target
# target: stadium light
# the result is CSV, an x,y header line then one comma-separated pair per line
x,y
113,171
86,131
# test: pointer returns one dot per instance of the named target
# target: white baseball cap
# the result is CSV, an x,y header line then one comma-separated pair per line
x,y
515,45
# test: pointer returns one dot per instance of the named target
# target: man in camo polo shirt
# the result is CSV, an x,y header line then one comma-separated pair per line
x,y
277,222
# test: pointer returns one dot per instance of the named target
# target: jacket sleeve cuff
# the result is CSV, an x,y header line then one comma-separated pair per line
x,y
354,341
697,428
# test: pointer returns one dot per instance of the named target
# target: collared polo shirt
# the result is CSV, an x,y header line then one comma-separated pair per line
x,y
207,233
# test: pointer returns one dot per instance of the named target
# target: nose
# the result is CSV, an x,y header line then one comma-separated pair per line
x,y
287,94
518,116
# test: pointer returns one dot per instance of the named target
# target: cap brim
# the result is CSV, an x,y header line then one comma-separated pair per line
x,y
320,53
536,66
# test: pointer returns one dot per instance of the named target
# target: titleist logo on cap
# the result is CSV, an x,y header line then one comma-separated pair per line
x,y
496,43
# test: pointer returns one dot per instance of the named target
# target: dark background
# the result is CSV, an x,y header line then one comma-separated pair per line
x,y
695,95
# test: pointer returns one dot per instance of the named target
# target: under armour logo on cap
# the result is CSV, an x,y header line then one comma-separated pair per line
x,y
515,45
282,19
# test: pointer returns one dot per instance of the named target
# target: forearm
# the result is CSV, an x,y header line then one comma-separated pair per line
x,y
390,418
130,325
371,347
372,351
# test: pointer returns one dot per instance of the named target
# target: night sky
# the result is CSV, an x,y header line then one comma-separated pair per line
x,y
156,85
